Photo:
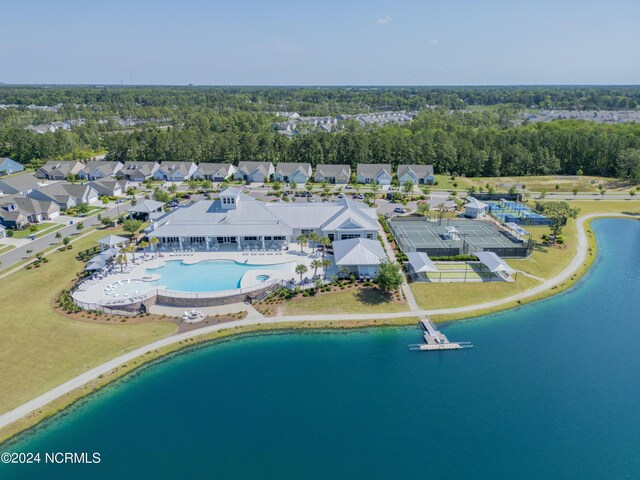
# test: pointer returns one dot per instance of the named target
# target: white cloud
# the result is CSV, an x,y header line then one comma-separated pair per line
x,y
384,20
434,42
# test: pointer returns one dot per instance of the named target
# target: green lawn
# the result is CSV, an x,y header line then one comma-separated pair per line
x,y
550,183
6,248
39,348
451,295
27,232
366,300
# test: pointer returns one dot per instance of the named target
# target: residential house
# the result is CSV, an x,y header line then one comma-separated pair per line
x,y
418,174
254,171
66,195
138,171
58,170
8,166
381,173
292,172
33,210
110,187
175,171
95,169
216,172
41,129
340,174
3,231
22,184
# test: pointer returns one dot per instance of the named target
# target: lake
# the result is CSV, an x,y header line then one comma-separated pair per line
x,y
550,390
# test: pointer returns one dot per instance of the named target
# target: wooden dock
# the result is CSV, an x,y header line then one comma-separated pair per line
x,y
434,339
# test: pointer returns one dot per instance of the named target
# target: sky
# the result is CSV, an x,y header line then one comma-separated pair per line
x,y
347,42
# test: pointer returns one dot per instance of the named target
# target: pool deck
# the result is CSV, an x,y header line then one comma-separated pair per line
x,y
95,291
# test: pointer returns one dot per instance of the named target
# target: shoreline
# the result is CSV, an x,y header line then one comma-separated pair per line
x,y
50,403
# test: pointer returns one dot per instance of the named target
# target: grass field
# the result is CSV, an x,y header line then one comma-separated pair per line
x,y
6,248
366,300
41,227
449,295
564,183
39,348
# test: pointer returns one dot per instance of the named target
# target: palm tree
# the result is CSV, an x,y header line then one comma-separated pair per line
x,y
301,269
58,235
316,264
326,264
302,240
121,260
154,241
344,271
144,244
325,242
314,238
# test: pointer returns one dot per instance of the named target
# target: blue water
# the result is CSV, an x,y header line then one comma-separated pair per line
x,y
206,276
550,391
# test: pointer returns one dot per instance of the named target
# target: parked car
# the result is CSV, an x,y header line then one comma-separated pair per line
x,y
341,195
312,200
399,210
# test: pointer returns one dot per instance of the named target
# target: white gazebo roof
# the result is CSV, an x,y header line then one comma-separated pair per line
x,y
112,240
420,262
493,262
475,203
96,265
358,251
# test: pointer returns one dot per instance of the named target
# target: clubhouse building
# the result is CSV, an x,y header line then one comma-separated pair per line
x,y
236,221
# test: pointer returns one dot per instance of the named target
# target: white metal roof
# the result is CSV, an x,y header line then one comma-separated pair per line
x,y
112,240
493,262
475,203
358,251
420,262
146,206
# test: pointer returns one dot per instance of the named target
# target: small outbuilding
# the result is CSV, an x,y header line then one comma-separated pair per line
x,y
143,210
419,263
496,265
474,208
360,255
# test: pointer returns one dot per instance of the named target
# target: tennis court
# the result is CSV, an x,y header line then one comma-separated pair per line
x,y
454,237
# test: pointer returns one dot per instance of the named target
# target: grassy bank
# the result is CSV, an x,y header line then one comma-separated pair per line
x,y
39,348
65,401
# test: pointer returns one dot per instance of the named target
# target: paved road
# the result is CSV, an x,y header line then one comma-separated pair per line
x,y
90,375
45,241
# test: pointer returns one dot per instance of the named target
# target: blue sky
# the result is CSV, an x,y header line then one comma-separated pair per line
x,y
274,42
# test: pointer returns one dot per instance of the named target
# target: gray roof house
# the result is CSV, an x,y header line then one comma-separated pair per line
x,y
138,171
216,172
66,195
340,174
35,211
95,169
22,184
59,169
254,171
175,171
292,172
418,174
378,172
239,220
8,166
110,187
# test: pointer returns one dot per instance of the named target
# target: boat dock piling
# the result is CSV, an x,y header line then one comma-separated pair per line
x,y
436,340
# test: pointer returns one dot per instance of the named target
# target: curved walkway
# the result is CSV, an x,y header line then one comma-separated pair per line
x,y
90,375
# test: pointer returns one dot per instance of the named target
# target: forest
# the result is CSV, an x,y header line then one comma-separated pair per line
x,y
216,124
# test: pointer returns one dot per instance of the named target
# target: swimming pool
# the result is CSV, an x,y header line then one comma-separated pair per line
x,y
209,275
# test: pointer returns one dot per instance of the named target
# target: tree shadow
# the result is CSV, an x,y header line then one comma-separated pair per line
x,y
372,296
